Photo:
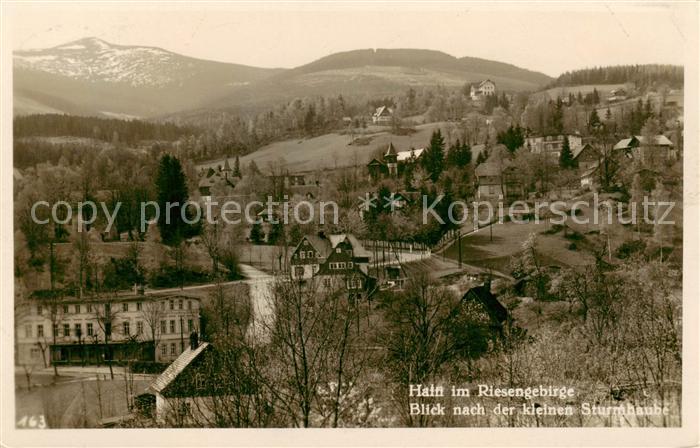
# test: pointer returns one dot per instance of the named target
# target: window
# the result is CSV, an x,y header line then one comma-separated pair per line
x,y
108,329
310,254
302,255
125,306
163,330
172,349
77,309
337,250
126,328
40,310
78,328
163,350
66,330
327,282
89,329
138,306
55,330
190,326
189,304
298,271
40,331
306,242
172,304
65,309
28,331
180,304
162,305
139,327
89,307
349,264
172,326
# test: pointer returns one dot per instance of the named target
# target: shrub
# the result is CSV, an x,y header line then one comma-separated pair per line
x,y
572,246
574,236
628,248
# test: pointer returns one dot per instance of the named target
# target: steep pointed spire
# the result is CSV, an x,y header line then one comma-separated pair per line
x,y
390,151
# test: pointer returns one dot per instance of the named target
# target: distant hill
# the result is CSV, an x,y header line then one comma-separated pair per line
x,y
93,77
382,72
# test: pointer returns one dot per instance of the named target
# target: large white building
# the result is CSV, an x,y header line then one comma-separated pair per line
x,y
553,144
146,327
484,88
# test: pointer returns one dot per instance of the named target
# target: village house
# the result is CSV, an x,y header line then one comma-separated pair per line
x,y
482,89
211,180
588,176
135,326
332,260
586,157
496,180
392,162
637,147
383,115
617,95
552,144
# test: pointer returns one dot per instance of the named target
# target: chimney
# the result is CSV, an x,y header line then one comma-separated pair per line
x,y
194,340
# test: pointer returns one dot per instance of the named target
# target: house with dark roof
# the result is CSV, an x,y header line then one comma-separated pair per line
x,y
392,161
333,260
211,179
482,296
637,147
190,390
586,157
498,179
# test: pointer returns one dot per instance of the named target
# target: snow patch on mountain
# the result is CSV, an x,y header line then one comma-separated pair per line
x,y
95,60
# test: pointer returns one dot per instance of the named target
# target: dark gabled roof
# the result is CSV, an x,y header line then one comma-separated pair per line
x,y
375,162
482,294
321,244
580,150
390,150
176,368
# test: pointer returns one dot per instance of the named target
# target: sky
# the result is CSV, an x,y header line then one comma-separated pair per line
x,y
550,38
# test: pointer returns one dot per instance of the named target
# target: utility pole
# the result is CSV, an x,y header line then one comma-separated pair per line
x,y
459,246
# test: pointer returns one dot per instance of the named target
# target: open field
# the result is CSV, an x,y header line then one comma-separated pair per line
x,y
603,89
330,151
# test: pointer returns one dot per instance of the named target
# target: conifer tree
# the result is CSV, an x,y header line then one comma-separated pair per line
x,y
434,159
566,157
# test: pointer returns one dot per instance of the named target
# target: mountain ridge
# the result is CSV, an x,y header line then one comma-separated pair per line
x,y
93,76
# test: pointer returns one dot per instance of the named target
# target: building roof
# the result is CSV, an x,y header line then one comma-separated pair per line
x,y
590,170
405,155
176,368
320,243
390,150
488,168
577,151
381,110
481,84
626,143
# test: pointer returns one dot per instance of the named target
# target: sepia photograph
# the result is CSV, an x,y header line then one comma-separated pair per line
x,y
349,215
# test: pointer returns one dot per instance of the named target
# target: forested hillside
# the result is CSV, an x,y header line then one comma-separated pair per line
x,y
640,75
